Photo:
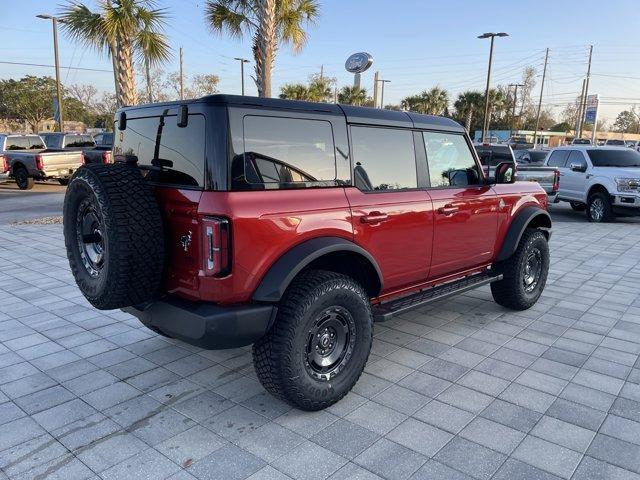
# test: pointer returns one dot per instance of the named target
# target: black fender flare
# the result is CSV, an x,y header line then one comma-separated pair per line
x,y
518,225
283,271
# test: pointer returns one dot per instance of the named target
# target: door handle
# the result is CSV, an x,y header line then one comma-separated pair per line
x,y
448,209
374,217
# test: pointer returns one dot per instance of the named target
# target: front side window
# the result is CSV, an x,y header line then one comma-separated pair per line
x,y
176,155
576,158
384,159
558,158
285,153
451,163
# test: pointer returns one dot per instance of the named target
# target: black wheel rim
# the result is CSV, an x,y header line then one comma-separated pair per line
x,y
532,270
330,343
597,209
89,238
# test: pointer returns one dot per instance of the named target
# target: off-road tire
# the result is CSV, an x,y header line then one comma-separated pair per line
x,y
131,230
578,206
607,215
64,181
22,178
510,292
279,357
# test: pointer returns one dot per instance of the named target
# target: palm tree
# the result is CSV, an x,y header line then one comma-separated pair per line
x,y
497,103
294,91
466,105
352,95
270,23
123,29
412,103
435,101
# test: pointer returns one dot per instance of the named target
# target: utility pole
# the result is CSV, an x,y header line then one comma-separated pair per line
x,y
335,94
515,101
544,75
321,72
242,62
55,21
487,120
586,89
579,113
382,91
376,77
181,77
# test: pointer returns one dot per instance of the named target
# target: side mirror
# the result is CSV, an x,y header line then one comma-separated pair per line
x,y
505,172
122,121
578,167
183,116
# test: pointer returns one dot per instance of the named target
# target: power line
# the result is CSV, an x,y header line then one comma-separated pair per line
x,y
51,66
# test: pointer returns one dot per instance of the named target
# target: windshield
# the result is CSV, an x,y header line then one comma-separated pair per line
x,y
27,142
616,142
614,158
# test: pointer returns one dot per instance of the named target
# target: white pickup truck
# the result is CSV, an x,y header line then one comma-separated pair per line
x,y
604,181
26,159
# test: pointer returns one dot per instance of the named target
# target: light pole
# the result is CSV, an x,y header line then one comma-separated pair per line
x,y
485,127
515,100
382,91
242,62
57,63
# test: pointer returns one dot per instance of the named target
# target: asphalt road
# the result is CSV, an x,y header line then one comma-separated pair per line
x,y
44,200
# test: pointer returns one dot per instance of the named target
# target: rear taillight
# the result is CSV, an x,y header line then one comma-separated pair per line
x,y
39,163
5,164
556,180
216,246
106,157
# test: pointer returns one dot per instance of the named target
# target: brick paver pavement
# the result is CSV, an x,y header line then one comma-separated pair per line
x,y
458,390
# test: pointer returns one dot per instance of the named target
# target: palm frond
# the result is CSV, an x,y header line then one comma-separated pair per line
x,y
84,26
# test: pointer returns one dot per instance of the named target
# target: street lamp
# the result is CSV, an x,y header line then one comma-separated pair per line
x,y
485,126
242,62
382,91
57,63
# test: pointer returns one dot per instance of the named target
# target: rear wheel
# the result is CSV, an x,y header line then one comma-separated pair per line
x,y
320,342
524,274
578,206
599,208
22,178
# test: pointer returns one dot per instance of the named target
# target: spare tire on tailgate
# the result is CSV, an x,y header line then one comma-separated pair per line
x,y
114,235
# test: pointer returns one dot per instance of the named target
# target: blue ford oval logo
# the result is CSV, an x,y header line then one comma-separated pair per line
x,y
358,62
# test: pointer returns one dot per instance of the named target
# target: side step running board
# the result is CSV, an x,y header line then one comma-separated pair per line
x,y
387,310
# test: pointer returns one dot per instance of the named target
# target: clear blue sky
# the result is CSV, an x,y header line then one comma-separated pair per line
x,y
416,44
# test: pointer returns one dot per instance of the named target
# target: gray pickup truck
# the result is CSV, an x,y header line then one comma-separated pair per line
x,y
530,165
79,142
26,159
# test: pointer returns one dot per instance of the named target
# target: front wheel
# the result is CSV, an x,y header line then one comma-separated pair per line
x,y
599,208
524,273
320,341
23,180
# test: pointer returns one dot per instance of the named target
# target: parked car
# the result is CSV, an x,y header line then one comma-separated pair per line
x,y
104,139
614,142
85,143
292,226
581,141
530,156
493,155
27,159
604,181
632,144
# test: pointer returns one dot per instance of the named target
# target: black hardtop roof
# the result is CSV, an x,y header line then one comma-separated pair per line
x,y
353,114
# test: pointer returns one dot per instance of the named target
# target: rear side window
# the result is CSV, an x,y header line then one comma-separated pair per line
x,y
576,158
285,153
79,141
451,163
177,155
558,158
384,159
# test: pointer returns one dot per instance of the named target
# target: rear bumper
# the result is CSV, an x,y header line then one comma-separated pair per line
x,y
206,325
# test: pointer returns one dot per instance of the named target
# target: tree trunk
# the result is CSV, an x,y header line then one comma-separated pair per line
x,y
265,46
114,62
468,120
126,79
147,69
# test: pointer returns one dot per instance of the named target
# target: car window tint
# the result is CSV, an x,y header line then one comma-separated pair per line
x,y
181,151
614,158
384,159
450,160
558,158
285,153
576,158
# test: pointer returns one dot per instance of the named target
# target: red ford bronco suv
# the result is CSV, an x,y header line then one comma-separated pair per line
x,y
228,221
